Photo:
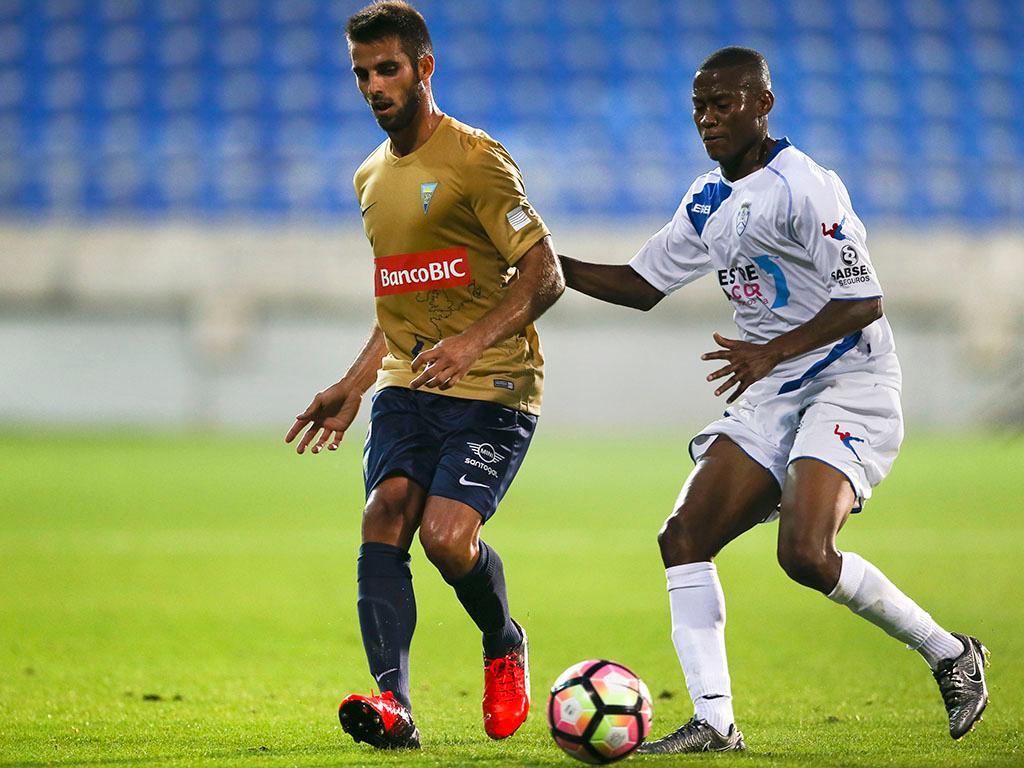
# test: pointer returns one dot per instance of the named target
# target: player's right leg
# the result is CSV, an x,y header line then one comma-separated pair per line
x,y
398,464
726,494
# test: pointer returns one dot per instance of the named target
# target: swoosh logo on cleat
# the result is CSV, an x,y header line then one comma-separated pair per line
x,y
973,673
464,481
363,211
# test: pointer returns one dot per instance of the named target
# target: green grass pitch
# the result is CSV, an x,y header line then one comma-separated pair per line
x,y
189,601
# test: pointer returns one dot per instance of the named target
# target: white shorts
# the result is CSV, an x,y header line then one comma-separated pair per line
x,y
850,422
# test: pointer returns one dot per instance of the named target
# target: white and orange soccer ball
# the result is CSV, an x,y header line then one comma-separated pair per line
x,y
599,711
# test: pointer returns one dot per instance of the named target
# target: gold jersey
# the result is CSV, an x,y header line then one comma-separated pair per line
x,y
447,223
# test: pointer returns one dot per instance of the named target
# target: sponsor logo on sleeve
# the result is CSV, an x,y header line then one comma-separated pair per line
x,y
836,232
854,271
426,271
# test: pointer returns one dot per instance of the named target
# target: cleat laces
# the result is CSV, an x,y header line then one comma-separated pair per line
x,y
507,684
951,682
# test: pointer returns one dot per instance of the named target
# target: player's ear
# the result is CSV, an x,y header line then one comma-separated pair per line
x,y
765,102
425,66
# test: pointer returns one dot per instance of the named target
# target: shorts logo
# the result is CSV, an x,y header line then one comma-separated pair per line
x,y
485,452
427,271
847,439
485,456
742,217
849,255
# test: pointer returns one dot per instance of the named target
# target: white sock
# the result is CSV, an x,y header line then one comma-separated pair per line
x,y
698,633
867,592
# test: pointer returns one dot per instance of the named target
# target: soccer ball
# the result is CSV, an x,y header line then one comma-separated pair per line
x,y
599,711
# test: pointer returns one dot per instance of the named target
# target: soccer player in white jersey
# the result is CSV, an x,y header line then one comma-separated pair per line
x,y
813,420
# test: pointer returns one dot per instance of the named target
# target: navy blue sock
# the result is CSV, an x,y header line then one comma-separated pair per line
x,y
387,615
482,593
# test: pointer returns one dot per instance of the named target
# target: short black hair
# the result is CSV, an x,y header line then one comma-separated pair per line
x,y
735,56
388,18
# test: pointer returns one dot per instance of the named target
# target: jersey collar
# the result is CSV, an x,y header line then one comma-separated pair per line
x,y
780,144
395,160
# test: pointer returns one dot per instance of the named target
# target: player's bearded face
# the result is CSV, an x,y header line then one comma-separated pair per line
x,y
389,81
404,111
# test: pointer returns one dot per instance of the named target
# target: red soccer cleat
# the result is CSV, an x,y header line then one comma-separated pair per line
x,y
507,691
381,721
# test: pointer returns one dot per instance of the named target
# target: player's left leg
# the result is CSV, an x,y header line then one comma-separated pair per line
x,y
450,534
816,501
484,446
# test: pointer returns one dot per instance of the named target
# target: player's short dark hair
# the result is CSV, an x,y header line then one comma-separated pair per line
x,y
735,56
392,18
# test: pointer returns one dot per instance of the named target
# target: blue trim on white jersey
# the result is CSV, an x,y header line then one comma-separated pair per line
x,y
789,210
780,145
706,202
838,351
774,271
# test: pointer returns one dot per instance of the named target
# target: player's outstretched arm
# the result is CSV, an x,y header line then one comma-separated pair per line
x,y
334,409
538,286
614,283
747,362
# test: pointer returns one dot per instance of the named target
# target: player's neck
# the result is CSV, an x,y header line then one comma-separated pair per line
x,y
416,134
753,159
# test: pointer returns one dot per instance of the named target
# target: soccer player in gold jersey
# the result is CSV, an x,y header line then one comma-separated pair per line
x,y
463,266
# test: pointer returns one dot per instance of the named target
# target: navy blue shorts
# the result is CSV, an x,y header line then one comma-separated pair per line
x,y
467,450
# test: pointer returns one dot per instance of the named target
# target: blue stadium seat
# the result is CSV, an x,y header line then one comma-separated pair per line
x,y
212,108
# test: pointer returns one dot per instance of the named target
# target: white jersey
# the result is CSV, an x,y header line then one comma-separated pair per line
x,y
782,242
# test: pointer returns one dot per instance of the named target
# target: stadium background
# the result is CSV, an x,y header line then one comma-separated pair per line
x,y
177,207
182,265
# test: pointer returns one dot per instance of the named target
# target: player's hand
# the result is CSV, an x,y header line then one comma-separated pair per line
x,y
331,411
747,363
446,362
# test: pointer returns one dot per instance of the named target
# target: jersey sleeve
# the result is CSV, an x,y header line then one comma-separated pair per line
x,y
495,190
673,256
825,224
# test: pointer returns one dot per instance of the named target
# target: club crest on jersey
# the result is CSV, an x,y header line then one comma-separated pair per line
x,y
742,217
427,194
